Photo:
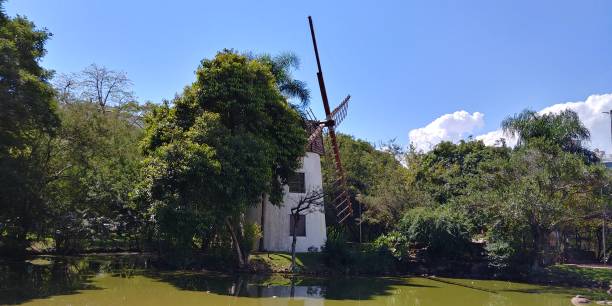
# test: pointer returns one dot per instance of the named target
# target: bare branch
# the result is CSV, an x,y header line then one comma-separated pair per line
x,y
105,87
310,200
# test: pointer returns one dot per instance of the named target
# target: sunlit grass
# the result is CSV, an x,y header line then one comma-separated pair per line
x,y
602,276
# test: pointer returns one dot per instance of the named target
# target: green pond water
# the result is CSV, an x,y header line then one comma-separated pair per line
x,y
130,280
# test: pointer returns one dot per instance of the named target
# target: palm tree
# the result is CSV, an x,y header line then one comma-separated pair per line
x,y
563,129
281,67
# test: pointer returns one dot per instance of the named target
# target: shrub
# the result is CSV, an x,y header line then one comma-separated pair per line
x,y
506,250
395,244
444,233
252,234
373,258
336,252
500,255
341,256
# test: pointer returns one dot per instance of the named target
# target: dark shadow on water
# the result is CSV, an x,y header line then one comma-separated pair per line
x,y
276,285
47,276
44,277
26,280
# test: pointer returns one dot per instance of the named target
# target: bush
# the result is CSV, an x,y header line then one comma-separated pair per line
x,y
395,243
336,252
506,250
341,256
500,255
372,258
252,234
444,233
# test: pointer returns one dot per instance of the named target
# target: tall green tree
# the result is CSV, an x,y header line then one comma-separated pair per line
x,y
95,160
563,129
27,120
543,188
548,177
229,138
377,182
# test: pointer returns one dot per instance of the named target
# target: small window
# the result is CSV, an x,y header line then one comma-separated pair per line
x,y
300,229
297,183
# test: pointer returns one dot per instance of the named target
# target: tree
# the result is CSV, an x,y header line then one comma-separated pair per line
x,y
281,67
309,202
546,179
229,138
96,84
27,121
541,191
377,183
95,165
563,129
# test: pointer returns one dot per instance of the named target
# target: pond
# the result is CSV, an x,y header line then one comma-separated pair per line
x,y
131,280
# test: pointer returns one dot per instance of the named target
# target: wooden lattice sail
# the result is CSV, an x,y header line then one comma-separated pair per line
x,y
341,200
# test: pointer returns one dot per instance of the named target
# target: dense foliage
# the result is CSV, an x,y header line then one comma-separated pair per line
x,y
84,166
27,120
520,206
230,138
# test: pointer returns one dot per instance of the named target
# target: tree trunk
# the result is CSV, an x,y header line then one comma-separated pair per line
x,y
536,233
241,260
295,221
540,247
263,222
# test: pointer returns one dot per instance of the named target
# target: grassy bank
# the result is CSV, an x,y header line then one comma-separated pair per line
x,y
314,264
574,275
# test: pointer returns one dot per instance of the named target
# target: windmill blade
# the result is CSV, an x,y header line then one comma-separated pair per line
x,y
339,113
342,200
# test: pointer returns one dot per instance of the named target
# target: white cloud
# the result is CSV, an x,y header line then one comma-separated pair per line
x,y
450,127
461,124
493,138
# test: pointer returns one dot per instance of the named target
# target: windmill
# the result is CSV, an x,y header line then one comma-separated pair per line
x,y
342,201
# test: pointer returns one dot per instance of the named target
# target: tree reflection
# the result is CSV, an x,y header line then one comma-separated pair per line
x,y
25,280
284,286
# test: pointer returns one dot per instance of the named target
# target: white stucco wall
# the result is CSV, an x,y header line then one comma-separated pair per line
x,y
276,227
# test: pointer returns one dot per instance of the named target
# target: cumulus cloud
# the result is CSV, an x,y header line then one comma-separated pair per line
x,y
460,124
448,127
494,138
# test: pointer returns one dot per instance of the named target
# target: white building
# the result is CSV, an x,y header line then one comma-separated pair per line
x,y
311,233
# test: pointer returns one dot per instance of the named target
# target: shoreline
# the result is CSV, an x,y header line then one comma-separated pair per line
x,y
565,275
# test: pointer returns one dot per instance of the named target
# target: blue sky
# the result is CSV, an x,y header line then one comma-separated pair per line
x,y
406,63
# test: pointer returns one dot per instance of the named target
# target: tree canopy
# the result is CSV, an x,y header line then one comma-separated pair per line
x,y
28,118
227,140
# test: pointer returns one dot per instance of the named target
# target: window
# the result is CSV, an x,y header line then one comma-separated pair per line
x,y
300,229
297,183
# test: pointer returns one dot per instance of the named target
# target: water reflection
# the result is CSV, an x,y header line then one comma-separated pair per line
x,y
47,276
25,280
283,286
137,280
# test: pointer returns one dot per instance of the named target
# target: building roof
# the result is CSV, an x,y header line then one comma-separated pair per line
x,y
317,146
607,161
